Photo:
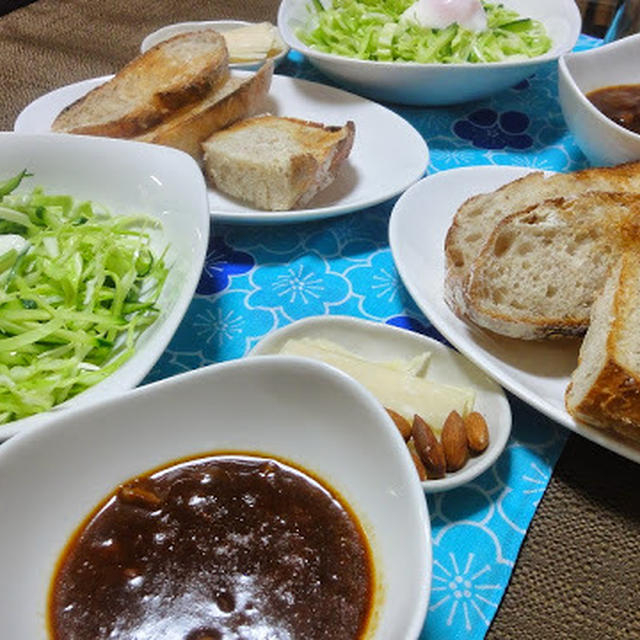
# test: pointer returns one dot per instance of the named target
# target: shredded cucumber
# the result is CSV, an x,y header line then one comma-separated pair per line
x,y
373,30
75,295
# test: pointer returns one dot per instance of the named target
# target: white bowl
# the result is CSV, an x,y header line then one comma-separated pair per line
x,y
436,84
603,141
127,177
219,25
305,412
382,342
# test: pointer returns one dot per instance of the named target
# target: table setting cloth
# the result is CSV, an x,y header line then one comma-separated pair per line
x,y
508,562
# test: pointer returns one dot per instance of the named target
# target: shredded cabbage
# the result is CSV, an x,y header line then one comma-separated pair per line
x,y
373,30
73,299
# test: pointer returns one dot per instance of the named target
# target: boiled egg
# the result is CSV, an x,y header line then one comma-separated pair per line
x,y
438,14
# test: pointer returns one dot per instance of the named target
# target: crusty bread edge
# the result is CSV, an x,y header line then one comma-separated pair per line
x,y
188,133
164,103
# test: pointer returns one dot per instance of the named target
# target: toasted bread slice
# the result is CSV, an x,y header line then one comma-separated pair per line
x,y
174,73
538,274
236,99
605,387
476,218
276,163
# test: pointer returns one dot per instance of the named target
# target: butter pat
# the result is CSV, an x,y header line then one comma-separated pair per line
x,y
397,384
253,42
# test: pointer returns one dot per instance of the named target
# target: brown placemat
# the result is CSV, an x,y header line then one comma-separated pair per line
x,y
577,572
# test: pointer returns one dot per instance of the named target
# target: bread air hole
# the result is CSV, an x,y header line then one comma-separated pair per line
x,y
472,237
503,243
551,291
497,296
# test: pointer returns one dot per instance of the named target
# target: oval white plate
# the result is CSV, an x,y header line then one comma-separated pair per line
x,y
292,408
378,341
537,372
388,154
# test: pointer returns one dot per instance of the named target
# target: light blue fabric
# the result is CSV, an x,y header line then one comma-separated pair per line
x,y
259,278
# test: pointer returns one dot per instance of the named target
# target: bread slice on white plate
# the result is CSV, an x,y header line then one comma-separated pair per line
x,y
276,163
605,387
237,98
174,73
538,273
475,219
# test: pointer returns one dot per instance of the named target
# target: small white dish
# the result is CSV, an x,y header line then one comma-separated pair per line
x,y
127,177
305,412
537,372
602,140
436,84
381,342
219,25
388,154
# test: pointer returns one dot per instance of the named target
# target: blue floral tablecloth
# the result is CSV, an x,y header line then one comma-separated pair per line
x,y
259,278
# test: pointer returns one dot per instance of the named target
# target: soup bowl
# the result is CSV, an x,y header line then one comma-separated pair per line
x,y
303,412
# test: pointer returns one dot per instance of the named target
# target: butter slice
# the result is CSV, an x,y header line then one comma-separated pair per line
x,y
253,42
394,383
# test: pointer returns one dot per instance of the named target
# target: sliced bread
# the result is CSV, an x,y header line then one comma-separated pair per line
x,y
276,163
174,73
237,98
538,273
475,219
605,387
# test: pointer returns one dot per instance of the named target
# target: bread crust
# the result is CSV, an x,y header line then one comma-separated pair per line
x,y
189,127
148,89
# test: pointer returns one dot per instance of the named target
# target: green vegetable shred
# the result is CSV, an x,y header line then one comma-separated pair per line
x,y
77,287
374,30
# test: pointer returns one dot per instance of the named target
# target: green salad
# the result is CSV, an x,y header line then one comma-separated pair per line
x,y
374,30
77,287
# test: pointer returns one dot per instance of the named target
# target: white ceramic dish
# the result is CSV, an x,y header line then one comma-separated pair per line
x,y
388,154
537,372
382,342
305,412
219,25
436,84
127,177
603,141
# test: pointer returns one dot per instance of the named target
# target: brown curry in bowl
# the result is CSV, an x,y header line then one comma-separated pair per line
x,y
216,547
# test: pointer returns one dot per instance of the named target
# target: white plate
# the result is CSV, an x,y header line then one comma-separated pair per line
x,y
378,341
126,177
291,408
388,154
537,372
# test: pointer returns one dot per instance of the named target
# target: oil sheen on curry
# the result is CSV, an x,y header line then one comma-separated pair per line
x,y
214,548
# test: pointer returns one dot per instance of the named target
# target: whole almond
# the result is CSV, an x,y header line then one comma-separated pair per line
x,y
477,432
422,472
404,427
454,442
428,448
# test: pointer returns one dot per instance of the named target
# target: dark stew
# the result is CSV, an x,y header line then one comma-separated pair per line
x,y
620,104
223,546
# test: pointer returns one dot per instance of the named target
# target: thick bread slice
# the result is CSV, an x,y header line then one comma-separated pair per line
x,y
276,163
475,219
605,388
237,98
174,73
538,273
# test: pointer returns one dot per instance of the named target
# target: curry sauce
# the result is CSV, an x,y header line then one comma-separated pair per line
x,y
218,547
620,103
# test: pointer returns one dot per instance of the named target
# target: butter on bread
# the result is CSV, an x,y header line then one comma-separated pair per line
x,y
276,163
235,99
605,387
176,72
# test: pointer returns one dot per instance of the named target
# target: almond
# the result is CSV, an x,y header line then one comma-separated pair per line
x,y
428,448
422,472
477,432
454,442
401,422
